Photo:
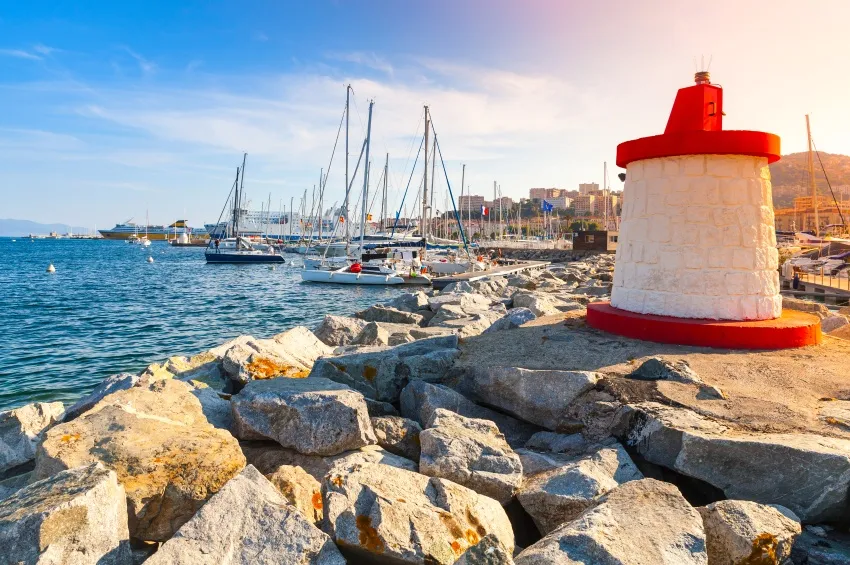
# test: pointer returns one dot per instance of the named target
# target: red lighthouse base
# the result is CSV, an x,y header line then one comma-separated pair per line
x,y
793,329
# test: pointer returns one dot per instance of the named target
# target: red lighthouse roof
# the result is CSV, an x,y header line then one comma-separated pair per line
x,y
695,127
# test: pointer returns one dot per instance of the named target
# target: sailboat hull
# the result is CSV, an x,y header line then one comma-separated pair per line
x,y
243,258
340,277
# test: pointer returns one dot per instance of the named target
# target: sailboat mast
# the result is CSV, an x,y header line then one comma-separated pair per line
x,y
812,184
433,177
424,229
366,181
235,220
321,204
345,204
384,199
291,216
605,190
462,182
242,185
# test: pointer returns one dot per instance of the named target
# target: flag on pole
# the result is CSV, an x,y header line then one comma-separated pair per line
x,y
368,217
546,206
342,219
485,211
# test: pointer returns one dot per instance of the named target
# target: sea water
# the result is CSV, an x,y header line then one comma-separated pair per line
x,y
107,310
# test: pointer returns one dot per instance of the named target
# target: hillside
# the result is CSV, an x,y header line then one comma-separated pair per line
x,y
18,228
790,176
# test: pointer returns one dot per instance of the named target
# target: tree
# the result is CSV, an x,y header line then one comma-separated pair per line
x,y
592,226
575,226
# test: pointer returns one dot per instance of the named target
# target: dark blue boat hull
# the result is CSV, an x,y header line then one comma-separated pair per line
x,y
242,259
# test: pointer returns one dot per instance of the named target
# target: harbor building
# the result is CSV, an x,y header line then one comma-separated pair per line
x,y
471,202
802,216
588,188
544,193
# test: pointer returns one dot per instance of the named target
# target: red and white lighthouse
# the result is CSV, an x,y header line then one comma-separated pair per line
x,y
697,259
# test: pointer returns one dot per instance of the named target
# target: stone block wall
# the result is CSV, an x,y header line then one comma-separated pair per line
x,y
697,239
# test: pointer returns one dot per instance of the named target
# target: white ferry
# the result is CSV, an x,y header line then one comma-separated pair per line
x,y
129,229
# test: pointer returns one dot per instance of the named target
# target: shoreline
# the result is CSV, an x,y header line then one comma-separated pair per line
x,y
495,391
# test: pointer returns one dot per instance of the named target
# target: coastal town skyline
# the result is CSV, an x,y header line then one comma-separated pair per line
x,y
120,109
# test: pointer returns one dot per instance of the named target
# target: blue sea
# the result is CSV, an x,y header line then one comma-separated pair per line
x,y
107,310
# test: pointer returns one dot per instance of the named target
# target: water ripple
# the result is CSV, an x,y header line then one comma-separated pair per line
x,y
107,310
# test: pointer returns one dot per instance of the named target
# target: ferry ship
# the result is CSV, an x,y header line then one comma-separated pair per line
x,y
129,229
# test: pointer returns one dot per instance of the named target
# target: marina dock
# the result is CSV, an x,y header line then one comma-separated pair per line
x,y
500,271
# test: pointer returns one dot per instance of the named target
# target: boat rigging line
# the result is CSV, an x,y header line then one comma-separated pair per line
x,y
832,192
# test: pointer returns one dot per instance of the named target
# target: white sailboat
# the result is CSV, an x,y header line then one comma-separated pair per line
x,y
356,273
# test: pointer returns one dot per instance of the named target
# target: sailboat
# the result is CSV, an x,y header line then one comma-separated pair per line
x,y
238,249
357,272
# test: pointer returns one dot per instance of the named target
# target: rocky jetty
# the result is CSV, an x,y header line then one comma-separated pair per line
x,y
484,424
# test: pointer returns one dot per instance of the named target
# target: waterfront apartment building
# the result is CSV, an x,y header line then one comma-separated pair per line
x,y
544,193
471,202
594,204
585,205
802,216
588,188
561,202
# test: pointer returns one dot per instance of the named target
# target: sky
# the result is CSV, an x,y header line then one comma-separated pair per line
x,y
113,110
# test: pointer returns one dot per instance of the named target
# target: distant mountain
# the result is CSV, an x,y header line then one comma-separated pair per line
x,y
790,176
18,228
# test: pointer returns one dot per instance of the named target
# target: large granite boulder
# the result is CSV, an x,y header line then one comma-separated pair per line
x,y
20,430
216,409
158,441
740,531
818,309
409,302
313,416
471,325
372,334
269,456
10,486
542,397
289,354
381,374
445,313
488,551
540,304
638,523
806,473
107,386
381,514
398,435
558,443
300,489
561,494
512,320
78,516
467,302
338,330
390,315
248,521
470,452
419,400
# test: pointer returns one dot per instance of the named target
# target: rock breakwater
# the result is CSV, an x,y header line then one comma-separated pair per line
x,y
481,424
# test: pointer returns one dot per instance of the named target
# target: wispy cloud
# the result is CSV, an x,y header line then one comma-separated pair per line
x,y
145,65
20,54
368,60
44,49
259,36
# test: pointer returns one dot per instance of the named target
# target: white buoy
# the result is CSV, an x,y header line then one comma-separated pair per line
x,y
272,268
51,268
150,259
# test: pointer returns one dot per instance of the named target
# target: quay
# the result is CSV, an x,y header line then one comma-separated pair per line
x,y
503,270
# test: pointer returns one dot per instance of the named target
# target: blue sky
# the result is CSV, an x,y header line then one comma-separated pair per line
x,y
114,108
